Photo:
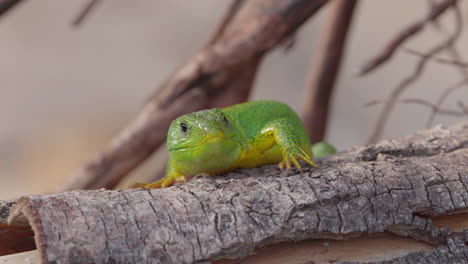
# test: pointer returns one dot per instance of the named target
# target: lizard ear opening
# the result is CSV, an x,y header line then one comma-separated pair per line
x,y
225,119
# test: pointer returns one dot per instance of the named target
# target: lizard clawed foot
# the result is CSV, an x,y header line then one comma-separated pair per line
x,y
163,183
292,157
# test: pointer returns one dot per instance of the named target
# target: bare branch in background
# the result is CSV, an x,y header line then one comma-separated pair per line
x,y
222,73
445,93
388,51
230,13
325,68
414,76
457,62
452,49
84,13
451,62
435,22
266,29
434,108
6,5
463,70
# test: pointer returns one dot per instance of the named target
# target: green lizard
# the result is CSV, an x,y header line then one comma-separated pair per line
x,y
245,135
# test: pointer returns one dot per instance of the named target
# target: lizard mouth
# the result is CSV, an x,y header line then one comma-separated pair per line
x,y
205,140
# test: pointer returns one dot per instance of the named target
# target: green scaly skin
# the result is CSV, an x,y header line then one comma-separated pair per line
x,y
246,135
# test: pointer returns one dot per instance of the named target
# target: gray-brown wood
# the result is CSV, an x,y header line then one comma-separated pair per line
x,y
396,186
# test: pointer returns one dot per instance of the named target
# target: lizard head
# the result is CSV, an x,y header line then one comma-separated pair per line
x,y
203,142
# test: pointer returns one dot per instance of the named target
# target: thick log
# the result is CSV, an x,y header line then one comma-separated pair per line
x,y
395,186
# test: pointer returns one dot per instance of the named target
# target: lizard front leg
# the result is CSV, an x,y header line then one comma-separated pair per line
x,y
293,144
172,176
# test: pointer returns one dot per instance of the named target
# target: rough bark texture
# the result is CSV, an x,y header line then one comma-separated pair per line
x,y
394,186
5,211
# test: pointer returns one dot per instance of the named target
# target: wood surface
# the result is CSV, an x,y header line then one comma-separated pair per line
x,y
395,186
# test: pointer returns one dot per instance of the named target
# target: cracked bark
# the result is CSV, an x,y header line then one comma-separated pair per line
x,y
396,186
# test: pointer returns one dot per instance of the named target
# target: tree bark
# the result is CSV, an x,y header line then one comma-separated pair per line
x,y
395,186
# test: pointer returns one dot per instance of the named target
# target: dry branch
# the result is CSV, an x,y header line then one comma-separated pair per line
x,y
325,68
436,109
447,44
457,58
455,63
221,74
396,186
433,107
85,12
445,93
6,5
413,29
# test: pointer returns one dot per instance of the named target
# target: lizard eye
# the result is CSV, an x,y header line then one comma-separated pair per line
x,y
183,127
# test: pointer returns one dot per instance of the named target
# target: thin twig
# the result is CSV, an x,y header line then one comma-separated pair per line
x,y
325,68
405,83
456,56
91,5
452,62
410,31
452,49
422,102
445,93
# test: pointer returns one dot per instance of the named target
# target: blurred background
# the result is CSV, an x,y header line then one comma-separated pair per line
x,y
65,92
